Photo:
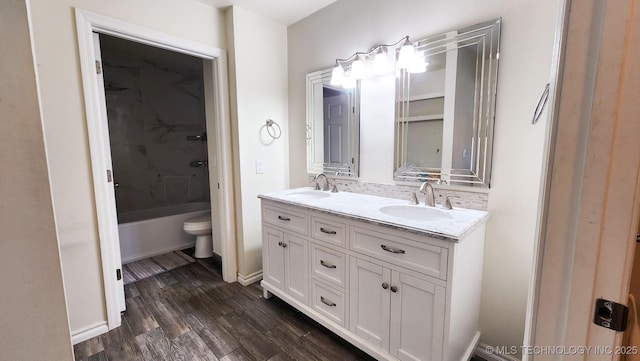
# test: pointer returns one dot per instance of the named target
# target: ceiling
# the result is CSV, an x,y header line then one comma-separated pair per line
x,y
285,12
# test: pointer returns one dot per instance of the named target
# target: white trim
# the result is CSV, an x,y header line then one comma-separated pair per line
x,y
88,22
249,279
473,346
549,146
89,332
100,159
487,352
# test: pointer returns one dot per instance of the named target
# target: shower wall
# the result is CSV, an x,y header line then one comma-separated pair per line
x,y
155,100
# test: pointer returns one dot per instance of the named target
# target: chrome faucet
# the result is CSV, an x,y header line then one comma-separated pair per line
x,y
427,189
326,182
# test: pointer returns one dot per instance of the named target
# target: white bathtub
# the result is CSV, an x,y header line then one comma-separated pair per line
x,y
150,232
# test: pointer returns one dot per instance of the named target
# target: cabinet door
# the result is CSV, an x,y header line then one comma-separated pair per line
x,y
297,267
417,318
273,259
369,302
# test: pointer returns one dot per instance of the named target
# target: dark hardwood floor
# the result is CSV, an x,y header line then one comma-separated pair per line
x,y
189,313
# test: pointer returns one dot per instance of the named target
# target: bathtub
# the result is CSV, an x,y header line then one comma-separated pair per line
x,y
150,232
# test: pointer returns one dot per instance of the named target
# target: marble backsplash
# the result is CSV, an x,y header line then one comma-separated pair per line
x,y
464,199
155,99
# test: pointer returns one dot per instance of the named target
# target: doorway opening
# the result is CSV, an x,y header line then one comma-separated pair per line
x,y
90,27
158,140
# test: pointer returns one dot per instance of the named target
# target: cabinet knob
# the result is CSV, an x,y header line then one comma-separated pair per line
x,y
284,245
280,244
394,289
385,285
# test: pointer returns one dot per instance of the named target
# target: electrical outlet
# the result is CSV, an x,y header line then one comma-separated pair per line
x,y
259,166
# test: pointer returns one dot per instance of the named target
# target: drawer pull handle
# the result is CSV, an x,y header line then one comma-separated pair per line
x,y
328,265
327,231
284,218
394,289
328,303
385,285
392,250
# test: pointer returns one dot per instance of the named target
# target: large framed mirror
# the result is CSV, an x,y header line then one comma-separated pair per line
x,y
332,126
445,115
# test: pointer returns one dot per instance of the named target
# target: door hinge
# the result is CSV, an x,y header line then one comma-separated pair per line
x,y
98,67
118,274
611,315
109,176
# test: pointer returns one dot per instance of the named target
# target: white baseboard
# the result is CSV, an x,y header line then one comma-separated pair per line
x,y
471,350
89,332
249,279
490,353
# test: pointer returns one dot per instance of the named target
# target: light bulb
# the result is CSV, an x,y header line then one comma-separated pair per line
x,y
380,62
337,76
405,58
357,69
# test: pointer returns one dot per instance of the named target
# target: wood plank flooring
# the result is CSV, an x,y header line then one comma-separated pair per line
x,y
190,313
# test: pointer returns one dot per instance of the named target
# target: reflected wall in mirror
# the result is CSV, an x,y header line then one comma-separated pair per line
x,y
332,126
445,115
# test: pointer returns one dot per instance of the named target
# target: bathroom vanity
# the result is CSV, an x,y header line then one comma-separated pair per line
x,y
399,281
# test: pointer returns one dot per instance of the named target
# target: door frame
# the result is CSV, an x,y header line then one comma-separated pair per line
x,y
87,23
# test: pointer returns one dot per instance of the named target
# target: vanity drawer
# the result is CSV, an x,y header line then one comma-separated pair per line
x,y
329,302
424,258
329,231
286,219
329,265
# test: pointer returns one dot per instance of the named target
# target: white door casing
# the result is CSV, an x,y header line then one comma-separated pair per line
x,y
87,23
109,177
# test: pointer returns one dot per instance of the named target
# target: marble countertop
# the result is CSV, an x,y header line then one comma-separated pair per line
x,y
457,223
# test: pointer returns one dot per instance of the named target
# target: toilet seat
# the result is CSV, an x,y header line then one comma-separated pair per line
x,y
198,223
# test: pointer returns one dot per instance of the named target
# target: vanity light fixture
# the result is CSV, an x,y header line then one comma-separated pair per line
x,y
407,53
348,71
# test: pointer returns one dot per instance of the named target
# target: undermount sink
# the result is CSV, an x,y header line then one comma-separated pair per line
x,y
417,213
308,194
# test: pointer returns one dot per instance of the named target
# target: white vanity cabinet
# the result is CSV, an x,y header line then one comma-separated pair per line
x,y
397,294
398,312
286,253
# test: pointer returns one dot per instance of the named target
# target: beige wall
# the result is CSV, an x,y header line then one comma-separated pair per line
x,y
34,315
65,128
258,91
347,26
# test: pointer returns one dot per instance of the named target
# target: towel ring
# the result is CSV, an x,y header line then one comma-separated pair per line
x,y
271,129
541,103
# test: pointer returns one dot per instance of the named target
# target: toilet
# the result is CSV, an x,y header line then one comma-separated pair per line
x,y
200,227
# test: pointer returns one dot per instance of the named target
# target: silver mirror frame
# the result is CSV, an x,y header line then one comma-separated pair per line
x,y
485,35
314,129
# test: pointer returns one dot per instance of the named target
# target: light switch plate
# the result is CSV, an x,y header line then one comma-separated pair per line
x,y
259,166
